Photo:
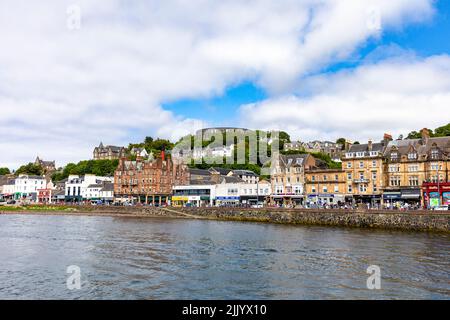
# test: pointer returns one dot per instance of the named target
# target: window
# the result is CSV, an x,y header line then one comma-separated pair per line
x,y
394,168
349,165
374,186
413,181
374,163
394,181
394,156
313,189
412,156
435,154
374,176
361,175
325,189
336,178
349,176
362,188
361,164
349,188
413,168
336,188
325,178
313,178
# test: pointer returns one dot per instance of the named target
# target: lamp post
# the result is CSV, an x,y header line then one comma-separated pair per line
x,y
438,185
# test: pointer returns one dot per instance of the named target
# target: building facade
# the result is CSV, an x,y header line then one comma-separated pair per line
x,y
148,181
363,165
288,178
411,164
84,188
325,187
108,152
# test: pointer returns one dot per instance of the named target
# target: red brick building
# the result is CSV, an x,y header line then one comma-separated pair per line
x,y
148,181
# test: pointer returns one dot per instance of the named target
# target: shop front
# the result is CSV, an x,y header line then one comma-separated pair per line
x,y
411,197
436,194
253,200
326,199
228,201
287,199
371,201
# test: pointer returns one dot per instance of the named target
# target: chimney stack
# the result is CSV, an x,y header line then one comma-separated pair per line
x,y
370,145
425,135
215,177
386,138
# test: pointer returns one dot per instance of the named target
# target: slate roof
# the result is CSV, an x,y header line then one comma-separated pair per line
x,y
404,146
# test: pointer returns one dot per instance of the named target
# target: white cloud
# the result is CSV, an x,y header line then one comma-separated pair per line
x,y
63,91
394,96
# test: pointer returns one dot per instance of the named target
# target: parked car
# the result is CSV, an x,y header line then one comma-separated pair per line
x,y
442,208
11,202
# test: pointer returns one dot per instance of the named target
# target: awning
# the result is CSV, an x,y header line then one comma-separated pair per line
x,y
392,195
411,194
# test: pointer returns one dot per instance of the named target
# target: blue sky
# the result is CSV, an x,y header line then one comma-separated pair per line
x,y
425,39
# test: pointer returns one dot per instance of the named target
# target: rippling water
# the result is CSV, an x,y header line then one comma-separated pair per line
x,y
126,258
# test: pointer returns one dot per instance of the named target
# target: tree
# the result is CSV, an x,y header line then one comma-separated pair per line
x,y
97,167
342,142
443,131
356,142
4,171
30,169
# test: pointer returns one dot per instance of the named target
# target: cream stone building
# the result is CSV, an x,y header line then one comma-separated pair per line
x,y
410,163
288,178
325,186
364,172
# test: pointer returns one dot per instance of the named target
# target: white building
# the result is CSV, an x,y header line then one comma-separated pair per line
x,y
25,187
229,191
85,187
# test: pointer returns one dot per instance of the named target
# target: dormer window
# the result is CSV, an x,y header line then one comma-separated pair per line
x,y
412,156
394,156
435,154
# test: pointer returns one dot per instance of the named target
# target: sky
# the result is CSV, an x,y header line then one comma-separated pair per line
x,y
77,73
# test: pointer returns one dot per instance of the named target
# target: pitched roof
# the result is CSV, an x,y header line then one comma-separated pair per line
x,y
222,171
365,147
404,146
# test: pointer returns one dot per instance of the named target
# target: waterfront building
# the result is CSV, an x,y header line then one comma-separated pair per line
x,y
83,188
148,181
363,165
413,164
288,178
221,187
436,194
106,193
24,187
45,195
199,193
108,152
325,186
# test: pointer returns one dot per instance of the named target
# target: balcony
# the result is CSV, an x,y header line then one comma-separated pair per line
x,y
359,181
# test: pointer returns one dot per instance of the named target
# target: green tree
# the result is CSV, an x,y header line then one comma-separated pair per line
x,y
443,131
4,171
30,169
342,142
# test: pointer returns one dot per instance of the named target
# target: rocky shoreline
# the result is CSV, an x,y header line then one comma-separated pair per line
x,y
391,220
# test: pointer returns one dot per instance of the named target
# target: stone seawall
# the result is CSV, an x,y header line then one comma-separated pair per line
x,y
408,221
411,221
